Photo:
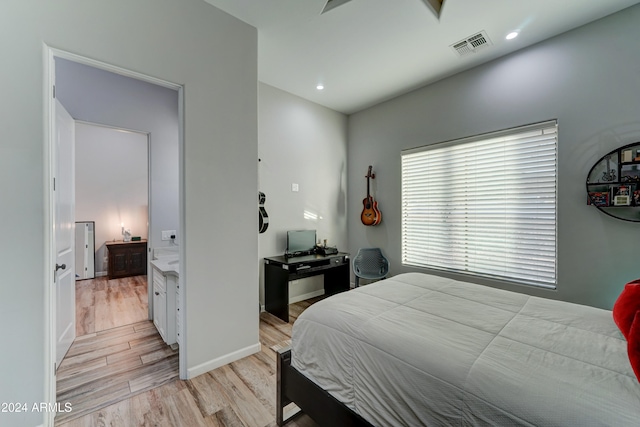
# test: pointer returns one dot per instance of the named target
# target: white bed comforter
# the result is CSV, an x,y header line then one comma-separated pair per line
x,y
418,350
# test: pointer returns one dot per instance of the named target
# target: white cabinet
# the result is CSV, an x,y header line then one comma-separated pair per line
x,y
159,312
164,304
178,322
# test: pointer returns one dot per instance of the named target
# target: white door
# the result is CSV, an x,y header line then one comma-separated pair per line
x,y
64,231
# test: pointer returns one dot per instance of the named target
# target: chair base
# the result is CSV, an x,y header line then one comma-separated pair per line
x,y
375,280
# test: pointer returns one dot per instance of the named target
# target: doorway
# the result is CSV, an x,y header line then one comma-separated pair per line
x,y
55,79
111,194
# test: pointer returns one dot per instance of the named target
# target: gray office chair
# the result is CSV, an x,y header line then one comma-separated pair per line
x,y
370,264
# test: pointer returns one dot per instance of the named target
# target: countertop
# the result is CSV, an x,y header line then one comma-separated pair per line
x,y
167,264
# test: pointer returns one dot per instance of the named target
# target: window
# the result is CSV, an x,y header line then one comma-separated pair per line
x,y
484,205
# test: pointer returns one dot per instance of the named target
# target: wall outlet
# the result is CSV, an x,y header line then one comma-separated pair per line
x,y
166,234
295,187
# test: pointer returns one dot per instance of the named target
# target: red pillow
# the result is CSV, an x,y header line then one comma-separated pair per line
x,y
626,306
633,345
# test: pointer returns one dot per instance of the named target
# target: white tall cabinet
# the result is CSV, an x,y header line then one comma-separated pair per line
x,y
85,250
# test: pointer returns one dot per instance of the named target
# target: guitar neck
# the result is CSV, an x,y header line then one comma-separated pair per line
x,y
369,175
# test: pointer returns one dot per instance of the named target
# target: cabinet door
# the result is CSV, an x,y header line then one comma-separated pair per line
x,y
178,323
160,312
117,262
138,260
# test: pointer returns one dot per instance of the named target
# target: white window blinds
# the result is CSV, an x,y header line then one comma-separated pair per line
x,y
484,205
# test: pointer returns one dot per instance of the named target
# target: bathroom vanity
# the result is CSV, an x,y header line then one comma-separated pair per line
x,y
166,298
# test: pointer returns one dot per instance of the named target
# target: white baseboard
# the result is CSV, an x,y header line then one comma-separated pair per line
x,y
306,296
223,360
100,273
300,298
303,297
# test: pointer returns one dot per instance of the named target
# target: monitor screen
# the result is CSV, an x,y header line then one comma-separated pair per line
x,y
300,240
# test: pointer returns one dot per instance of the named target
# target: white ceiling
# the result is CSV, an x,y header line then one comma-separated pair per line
x,y
368,51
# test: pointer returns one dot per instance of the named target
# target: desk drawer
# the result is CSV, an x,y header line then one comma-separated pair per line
x,y
315,265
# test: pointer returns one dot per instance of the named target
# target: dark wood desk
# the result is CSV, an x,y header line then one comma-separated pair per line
x,y
278,271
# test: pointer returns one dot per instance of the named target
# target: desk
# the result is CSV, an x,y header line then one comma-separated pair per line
x,y
278,271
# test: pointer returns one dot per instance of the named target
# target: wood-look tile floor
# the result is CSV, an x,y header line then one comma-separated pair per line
x,y
108,366
117,352
103,304
241,394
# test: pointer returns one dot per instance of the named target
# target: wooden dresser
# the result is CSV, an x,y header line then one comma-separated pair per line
x,y
127,258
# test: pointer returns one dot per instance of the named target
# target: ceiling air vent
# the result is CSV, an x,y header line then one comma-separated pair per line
x,y
472,44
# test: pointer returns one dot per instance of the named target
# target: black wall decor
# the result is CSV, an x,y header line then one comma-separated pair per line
x,y
263,218
613,183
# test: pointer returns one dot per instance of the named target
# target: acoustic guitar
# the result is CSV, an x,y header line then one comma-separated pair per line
x,y
370,213
377,211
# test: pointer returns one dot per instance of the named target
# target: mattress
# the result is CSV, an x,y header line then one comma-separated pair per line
x,y
417,350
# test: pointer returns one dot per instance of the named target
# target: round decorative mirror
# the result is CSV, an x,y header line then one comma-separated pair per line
x,y
613,183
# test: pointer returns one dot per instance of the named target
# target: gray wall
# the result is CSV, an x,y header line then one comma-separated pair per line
x,y
188,42
103,97
587,79
304,143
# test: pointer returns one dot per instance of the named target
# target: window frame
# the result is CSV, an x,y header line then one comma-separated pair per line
x,y
521,158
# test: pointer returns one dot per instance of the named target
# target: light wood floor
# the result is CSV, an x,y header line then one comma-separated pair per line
x,y
241,394
117,352
103,304
108,366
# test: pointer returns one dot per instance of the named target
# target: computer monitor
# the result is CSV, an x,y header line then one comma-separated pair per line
x,y
300,241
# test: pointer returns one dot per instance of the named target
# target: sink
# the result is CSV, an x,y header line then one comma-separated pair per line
x,y
170,251
173,262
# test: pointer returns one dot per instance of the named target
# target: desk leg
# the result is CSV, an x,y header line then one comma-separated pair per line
x,y
276,291
336,280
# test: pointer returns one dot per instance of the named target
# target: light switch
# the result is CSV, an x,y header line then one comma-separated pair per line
x,y
294,187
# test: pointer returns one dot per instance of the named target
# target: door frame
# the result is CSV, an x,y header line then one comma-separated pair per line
x,y
48,92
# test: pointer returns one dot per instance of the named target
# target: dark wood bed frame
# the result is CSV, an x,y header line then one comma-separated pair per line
x,y
324,409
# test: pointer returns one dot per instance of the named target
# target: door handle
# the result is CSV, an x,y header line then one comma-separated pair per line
x,y
157,293
61,267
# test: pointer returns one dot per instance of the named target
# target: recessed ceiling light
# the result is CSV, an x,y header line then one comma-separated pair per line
x,y
512,35
320,87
